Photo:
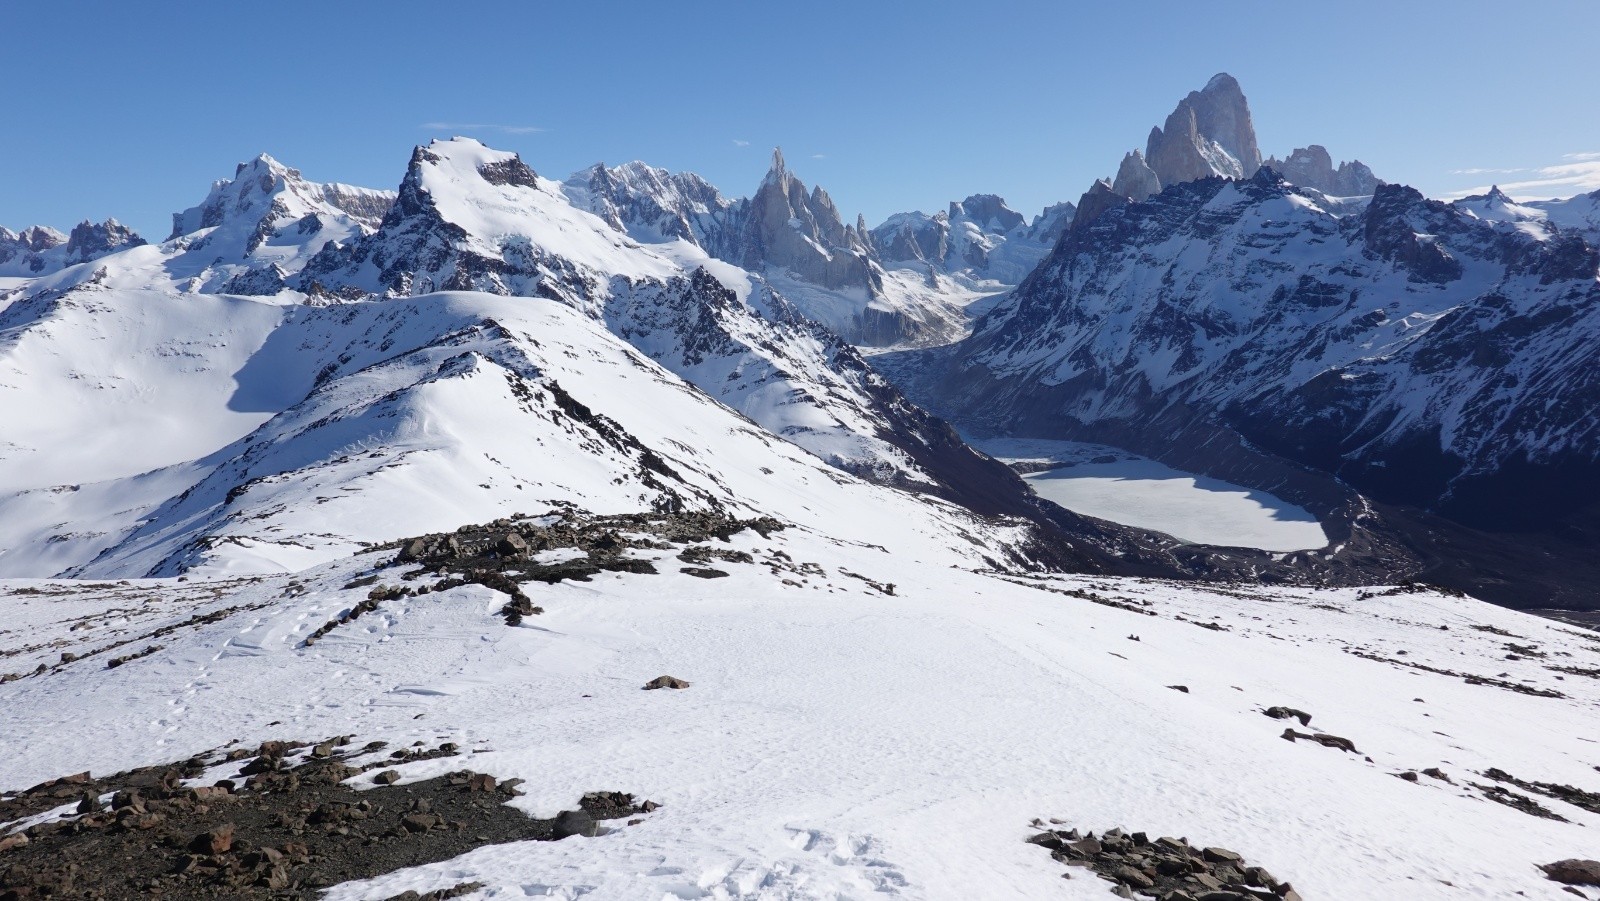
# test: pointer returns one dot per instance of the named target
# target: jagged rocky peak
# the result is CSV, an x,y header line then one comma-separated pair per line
x,y
654,205
1312,167
264,191
792,229
91,240
1209,133
988,211
32,239
41,250
1135,179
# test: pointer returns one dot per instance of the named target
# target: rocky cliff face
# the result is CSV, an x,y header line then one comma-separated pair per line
x,y
654,205
1135,179
1312,167
1209,133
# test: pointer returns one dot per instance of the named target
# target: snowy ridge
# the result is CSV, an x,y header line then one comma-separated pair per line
x,y
471,218
419,413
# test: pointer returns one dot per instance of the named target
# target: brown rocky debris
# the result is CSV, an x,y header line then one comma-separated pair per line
x,y
665,682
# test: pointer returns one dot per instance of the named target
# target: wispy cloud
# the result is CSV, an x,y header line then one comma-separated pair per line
x,y
819,156
1580,175
1488,171
454,127
739,143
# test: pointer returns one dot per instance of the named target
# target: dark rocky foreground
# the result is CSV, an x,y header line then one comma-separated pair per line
x,y
1166,868
286,827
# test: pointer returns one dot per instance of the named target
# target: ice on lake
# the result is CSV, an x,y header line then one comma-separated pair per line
x,y
1111,484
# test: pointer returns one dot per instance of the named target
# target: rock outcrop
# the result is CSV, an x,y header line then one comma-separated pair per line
x,y
40,250
1312,167
1135,179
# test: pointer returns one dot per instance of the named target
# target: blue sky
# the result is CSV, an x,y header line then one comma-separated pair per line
x,y
131,110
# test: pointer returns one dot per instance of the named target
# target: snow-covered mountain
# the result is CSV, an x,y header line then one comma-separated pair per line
x,y
468,218
794,238
41,250
231,424
979,238
1578,215
1415,351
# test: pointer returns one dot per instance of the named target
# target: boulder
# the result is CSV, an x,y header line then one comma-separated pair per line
x,y
1573,871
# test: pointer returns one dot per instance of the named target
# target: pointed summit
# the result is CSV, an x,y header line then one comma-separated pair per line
x,y
777,162
1135,179
1209,133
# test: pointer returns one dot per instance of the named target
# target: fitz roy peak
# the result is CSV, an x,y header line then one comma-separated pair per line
x,y
1211,133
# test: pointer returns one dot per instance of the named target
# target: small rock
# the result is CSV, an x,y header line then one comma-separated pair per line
x,y
1182,688
1129,876
16,840
216,841
1283,713
665,682
1408,775
1436,773
574,822
387,777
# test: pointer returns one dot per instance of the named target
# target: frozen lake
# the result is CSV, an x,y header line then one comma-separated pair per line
x,y
1112,484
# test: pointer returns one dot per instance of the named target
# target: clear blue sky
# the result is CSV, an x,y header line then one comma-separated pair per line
x,y
132,109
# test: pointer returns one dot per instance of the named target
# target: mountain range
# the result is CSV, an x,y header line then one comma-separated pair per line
x,y
612,537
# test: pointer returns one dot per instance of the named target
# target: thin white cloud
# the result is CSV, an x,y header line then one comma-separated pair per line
x,y
1563,180
1488,171
739,143
454,127
819,156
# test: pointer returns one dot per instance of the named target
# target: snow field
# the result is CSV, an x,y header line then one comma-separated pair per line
x,y
837,742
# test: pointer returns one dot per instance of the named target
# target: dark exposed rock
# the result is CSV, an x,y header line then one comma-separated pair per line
x,y
1573,871
665,682
1321,738
288,833
1167,868
1283,713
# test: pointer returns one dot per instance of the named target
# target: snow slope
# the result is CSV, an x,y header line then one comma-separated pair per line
x,y
840,743
325,427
